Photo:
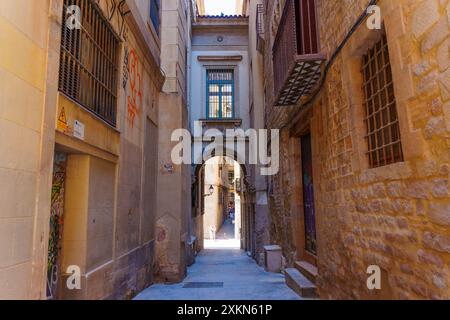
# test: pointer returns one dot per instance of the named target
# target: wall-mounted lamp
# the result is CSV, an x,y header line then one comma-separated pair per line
x,y
211,191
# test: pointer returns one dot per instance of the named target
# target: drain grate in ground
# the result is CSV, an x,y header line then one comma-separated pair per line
x,y
203,285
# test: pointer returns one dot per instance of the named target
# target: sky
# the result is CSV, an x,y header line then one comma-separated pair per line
x,y
216,7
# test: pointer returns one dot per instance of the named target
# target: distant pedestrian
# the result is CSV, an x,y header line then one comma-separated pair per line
x,y
232,214
212,232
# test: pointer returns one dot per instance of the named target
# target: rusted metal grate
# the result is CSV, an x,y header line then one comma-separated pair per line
x,y
285,46
383,130
296,58
89,61
302,78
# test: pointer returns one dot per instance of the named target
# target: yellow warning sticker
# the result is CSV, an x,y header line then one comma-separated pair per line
x,y
62,120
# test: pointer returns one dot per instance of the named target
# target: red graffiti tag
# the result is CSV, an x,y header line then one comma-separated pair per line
x,y
135,80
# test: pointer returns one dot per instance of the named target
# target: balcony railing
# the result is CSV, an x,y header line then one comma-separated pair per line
x,y
296,59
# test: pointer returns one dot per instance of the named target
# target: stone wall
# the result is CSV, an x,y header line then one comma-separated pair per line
x,y
105,213
214,207
173,232
398,216
113,237
22,94
259,182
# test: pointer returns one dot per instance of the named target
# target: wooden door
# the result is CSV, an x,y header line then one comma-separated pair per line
x,y
308,196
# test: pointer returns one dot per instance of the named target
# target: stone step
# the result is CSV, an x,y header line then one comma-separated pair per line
x,y
308,270
300,284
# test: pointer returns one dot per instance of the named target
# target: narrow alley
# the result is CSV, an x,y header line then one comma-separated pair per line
x,y
224,274
225,150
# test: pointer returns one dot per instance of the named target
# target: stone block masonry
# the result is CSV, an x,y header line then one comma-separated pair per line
x,y
397,216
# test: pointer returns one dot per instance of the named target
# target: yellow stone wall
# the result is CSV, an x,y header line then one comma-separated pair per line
x,y
127,266
23,36
214,207
398,216
105,174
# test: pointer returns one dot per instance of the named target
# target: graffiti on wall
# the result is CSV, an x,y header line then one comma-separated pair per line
x,y
134,79
131,65
116,13
116,10
56,224
125,67
131,70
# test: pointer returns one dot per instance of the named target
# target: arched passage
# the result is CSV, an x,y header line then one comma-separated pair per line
x,y
220,204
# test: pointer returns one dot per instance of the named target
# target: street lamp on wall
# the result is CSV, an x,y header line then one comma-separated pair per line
x,y
211,191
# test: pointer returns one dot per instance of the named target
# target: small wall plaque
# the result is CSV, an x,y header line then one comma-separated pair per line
x,y
78,130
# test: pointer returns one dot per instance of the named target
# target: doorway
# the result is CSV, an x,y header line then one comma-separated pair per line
x,y
308,196
56,225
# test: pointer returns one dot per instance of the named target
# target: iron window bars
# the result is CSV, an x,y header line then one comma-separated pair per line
x,y
260,27
383,130
89,61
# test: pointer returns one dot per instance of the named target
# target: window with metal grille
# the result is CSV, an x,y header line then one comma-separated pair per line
x,y
260,19
89,61
155,6
220,94
383,130
260,27
231,178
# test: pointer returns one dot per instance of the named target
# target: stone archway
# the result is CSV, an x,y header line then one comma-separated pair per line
x,y
198,203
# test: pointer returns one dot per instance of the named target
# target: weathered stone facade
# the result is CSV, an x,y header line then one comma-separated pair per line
x,y
398,216
174,244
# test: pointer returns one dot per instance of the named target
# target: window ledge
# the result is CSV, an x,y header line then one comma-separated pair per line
x,y
391,172
235,121
220,58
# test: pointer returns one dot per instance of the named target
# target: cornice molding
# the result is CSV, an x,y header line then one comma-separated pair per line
x,y
220,58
